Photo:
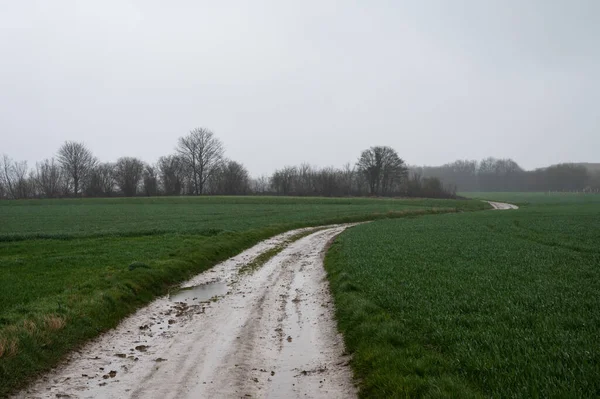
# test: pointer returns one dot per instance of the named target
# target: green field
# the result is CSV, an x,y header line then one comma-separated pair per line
x,y
484,304
71,269
77,218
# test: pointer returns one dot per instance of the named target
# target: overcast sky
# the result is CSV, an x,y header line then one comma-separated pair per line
x,y
282,82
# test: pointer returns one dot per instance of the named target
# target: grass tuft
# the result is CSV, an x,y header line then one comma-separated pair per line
x,y
8,347
54,322
30,327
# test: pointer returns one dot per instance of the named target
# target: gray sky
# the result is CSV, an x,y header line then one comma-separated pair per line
x,y
281,82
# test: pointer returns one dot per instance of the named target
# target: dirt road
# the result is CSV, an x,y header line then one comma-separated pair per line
x,y
502,205
269,333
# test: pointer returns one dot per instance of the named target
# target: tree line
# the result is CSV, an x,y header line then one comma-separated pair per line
x,y
198,166
493,174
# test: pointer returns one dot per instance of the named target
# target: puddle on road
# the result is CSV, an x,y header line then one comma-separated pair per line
x,y
199,293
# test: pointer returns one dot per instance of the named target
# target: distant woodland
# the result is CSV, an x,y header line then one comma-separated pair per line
x,y
198,166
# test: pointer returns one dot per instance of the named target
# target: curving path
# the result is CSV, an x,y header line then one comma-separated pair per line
x,y
270,333
501,205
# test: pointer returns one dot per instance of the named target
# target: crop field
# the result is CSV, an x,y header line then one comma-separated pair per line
x,y
483,304
71,269
80,218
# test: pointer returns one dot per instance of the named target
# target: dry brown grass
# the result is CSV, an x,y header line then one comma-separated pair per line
x,y
8,347
13,347
29,326
10,330
54,322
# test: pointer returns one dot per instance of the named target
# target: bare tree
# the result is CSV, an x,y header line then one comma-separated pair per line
x,y
172,174
382,168
14,178
48,178
127,174
326,182
231,178
6,175
21,184
347,179
305,180
260,185
414,184
33,190
370,166
150,180
77,162
282,181
101,181
202,152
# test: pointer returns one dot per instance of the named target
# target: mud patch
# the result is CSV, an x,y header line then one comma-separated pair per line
x,y
199,293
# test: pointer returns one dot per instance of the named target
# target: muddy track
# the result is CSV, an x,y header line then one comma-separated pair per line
x,y
269,333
